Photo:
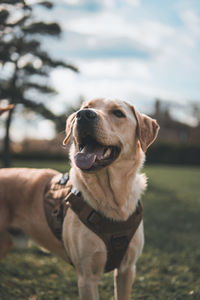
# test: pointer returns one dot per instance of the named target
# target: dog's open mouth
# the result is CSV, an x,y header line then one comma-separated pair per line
x,y
94,155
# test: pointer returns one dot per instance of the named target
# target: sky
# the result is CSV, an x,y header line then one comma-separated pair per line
x,y
135,50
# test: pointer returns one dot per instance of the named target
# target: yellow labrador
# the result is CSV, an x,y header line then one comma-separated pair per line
x,y
108,141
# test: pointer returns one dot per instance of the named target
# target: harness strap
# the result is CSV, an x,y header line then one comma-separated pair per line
x,y
115,234
54,205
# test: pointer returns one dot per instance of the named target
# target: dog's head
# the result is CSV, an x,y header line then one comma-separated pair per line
x,y
104,131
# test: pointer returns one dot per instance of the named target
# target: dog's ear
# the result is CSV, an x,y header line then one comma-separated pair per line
x,y
147,129
69,127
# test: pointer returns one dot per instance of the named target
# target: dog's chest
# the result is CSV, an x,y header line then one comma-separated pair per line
x,y
115,234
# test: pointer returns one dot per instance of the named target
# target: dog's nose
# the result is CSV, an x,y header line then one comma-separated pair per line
x,y
86,115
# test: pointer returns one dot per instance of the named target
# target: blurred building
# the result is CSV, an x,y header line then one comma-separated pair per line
x,y
172,130
40,148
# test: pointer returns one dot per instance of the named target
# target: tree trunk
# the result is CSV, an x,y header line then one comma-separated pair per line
x,y
6,151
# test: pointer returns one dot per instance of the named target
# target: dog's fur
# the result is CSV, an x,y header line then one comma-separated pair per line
x,y
113,190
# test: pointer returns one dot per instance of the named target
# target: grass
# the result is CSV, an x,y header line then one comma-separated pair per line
x,y
60,165
169,268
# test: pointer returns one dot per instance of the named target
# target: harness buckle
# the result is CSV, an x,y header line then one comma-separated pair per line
x,y
64,179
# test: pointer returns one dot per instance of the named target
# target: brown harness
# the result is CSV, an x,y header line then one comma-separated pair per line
x,y
115,234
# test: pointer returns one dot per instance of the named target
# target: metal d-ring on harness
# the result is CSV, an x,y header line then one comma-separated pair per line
x,y
115,234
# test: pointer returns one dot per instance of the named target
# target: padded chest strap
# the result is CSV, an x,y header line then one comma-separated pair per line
x,y
54,203
115,234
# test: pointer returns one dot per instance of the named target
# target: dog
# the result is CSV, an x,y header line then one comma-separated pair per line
x,y
108,140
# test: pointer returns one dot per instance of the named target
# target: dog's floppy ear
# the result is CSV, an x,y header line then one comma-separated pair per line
x,y
69,127
147,129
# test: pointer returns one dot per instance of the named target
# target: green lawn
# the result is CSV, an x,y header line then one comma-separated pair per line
x,y
169,268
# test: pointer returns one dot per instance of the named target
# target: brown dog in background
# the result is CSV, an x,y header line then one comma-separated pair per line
x,y
108,141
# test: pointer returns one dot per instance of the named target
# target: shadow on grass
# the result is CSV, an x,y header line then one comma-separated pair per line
x,y
28,272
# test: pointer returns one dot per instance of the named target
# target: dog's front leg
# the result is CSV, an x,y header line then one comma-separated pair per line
x,y
89,274
88,288
123,281
90,271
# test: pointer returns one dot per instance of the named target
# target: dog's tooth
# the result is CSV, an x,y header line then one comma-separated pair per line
x,y
105,150
107,153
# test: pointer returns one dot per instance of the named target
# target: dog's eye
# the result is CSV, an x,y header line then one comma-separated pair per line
x,y
118,113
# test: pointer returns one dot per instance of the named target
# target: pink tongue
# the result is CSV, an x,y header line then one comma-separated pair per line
x,y
86,158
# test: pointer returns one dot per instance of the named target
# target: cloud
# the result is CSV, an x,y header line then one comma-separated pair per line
x,y
99,4
128,80
133,2
123,56
156,47
130,49
90,5
106,27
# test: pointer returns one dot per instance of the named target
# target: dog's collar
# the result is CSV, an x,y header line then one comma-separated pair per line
x,y
115,234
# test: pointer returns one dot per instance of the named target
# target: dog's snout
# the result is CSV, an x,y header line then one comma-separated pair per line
x,y
86,122
86,115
